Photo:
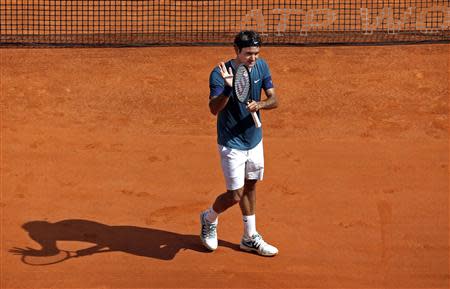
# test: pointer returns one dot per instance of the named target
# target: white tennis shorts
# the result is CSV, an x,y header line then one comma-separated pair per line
x,y
238,165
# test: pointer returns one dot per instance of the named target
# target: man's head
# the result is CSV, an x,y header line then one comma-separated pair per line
x,y
246,45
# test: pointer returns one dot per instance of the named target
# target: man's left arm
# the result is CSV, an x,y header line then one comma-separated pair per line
x,y
270,102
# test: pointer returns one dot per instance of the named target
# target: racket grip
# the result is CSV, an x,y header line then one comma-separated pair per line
x,y
256,119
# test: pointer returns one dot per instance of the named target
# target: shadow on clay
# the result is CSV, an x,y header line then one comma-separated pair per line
x,y
145,242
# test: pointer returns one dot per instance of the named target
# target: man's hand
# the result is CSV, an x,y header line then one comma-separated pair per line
x,y
226,74
254,106
32,252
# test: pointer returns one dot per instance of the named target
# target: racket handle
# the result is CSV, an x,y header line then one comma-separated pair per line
x,y
256,119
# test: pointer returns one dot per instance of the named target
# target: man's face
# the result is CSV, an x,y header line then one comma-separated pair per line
x,y
248,55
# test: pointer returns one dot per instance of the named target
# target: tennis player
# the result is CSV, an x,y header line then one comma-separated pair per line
x,y
239,142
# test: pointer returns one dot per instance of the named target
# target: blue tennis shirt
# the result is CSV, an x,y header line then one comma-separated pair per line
x,y
235,126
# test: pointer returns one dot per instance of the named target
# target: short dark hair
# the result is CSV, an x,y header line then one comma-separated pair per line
x,y
247,38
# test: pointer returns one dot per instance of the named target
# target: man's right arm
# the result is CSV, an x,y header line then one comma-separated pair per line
x,y
217,103
220,88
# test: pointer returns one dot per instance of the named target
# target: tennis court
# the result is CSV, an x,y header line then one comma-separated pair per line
x,y
116,148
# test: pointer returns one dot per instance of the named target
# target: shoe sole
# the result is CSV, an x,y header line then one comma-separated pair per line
x,y
203,241
250,249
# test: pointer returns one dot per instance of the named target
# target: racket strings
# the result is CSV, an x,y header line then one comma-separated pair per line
x,y
46,260
242,85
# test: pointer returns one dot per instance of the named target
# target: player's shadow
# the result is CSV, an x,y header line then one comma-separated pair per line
x,y
146,242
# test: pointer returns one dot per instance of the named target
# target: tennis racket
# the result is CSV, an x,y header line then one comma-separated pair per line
x,y
48,260
242,85
37,258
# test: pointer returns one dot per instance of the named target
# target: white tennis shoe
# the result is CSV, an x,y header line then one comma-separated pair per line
x,y
208,233
257,244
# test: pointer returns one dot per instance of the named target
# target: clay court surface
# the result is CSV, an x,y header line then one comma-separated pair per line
x,y
117,148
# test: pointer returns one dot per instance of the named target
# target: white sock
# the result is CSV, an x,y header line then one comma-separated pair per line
x,y
249,225
211,215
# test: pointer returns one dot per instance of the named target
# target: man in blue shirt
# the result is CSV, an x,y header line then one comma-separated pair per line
x,y
239,142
